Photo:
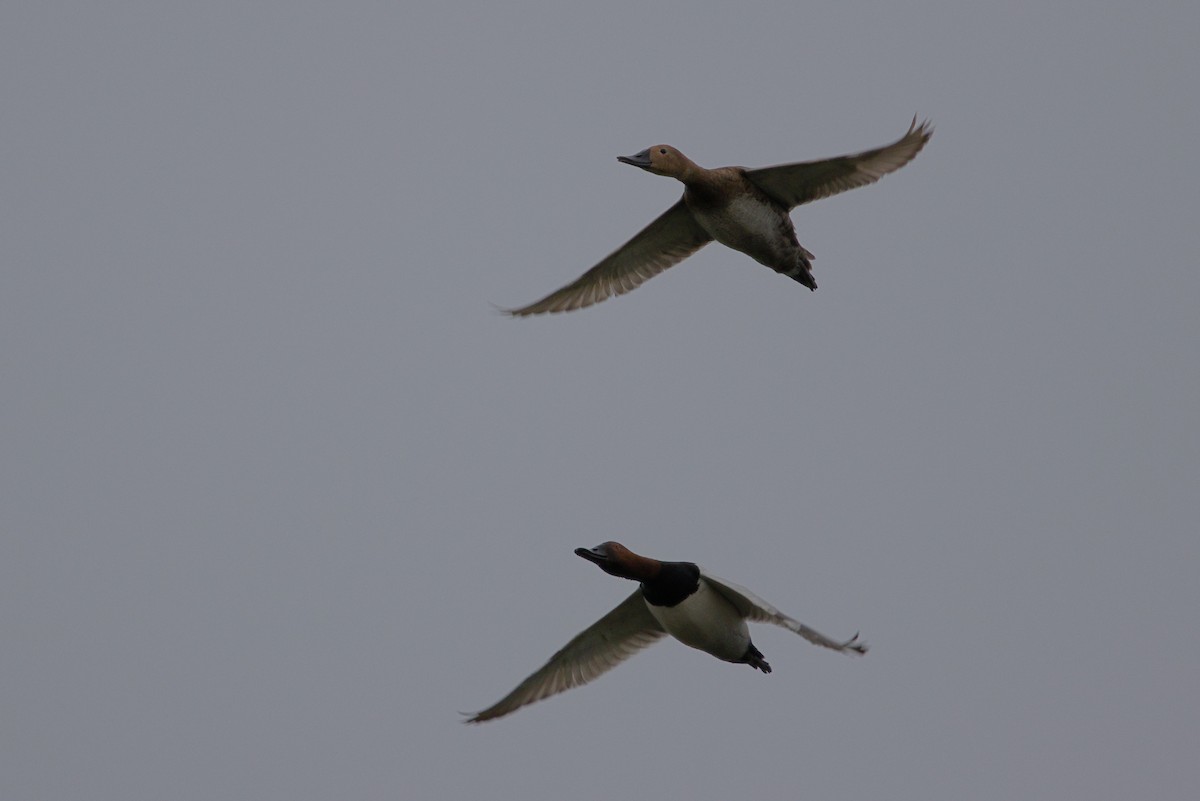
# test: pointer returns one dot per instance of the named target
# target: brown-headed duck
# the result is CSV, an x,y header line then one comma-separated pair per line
x,y
746,210
676,598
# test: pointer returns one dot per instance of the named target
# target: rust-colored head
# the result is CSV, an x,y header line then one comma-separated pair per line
x,y
661,160
617,560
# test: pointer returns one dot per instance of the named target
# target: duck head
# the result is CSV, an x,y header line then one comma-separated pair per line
x,y
617,560
661,160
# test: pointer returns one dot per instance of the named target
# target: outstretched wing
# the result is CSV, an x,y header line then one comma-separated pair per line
x,y
795,184
756,609
597,649
670,239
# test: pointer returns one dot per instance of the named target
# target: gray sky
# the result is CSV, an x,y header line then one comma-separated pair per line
x,y
283,493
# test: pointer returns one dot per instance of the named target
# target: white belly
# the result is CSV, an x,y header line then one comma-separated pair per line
x,y
705,620
749,226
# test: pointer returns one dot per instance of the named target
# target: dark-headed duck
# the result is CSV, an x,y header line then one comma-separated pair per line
x,y
676,598
746,210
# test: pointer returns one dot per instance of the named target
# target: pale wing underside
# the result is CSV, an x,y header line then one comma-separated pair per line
x,y
756,609
597,649
794,184
670,239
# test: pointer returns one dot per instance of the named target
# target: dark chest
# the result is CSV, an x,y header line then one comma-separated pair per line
x,y
674,582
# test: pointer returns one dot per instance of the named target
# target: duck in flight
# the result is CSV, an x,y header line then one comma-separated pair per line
x,y
747,210
676,598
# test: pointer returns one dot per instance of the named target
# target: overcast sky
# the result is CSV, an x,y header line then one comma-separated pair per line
x,y
283,493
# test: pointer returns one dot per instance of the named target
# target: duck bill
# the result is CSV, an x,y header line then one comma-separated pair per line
x,y
638,160
597,555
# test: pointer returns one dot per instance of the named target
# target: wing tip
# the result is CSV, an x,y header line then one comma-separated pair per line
x,y
853,645
548,306
922,131
484,715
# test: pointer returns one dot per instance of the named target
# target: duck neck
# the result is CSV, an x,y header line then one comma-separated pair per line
x,y
639,568
691,172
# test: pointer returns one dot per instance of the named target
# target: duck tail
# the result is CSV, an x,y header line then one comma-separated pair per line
x,y
754,658
802,270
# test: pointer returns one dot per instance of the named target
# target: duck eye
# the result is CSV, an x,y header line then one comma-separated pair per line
x,y
662,150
